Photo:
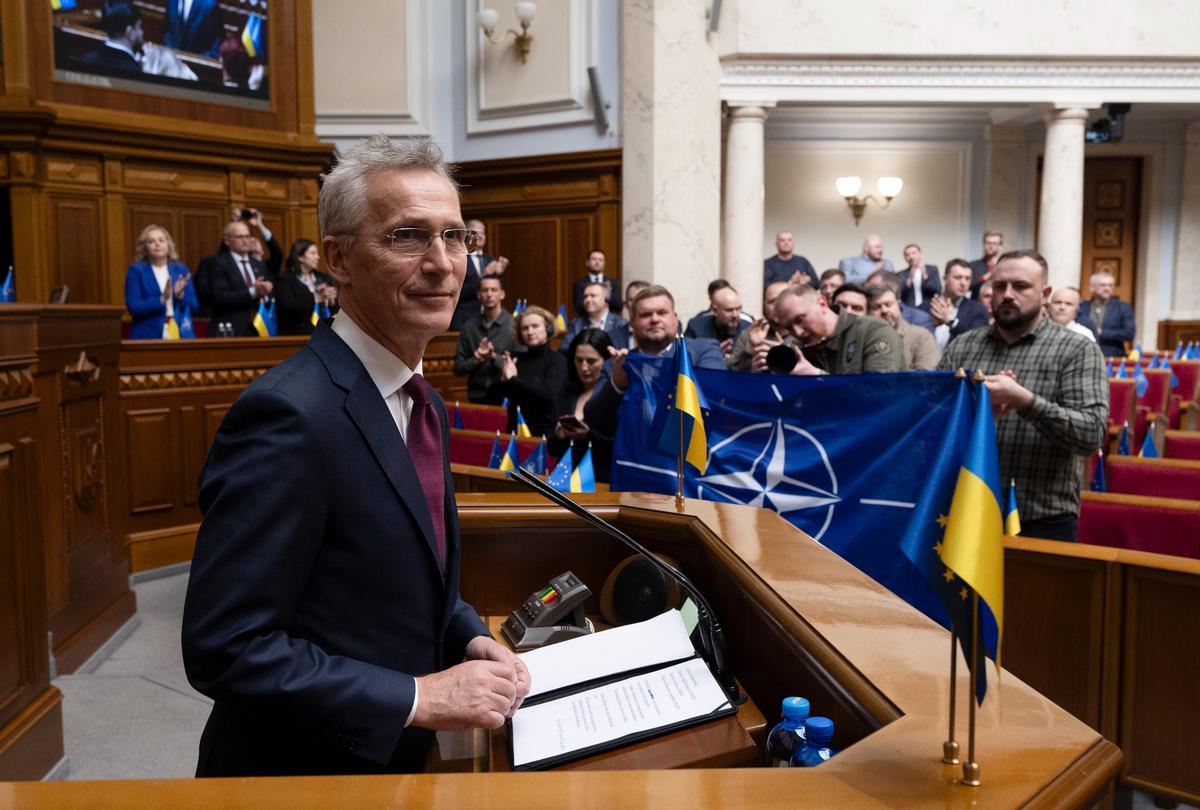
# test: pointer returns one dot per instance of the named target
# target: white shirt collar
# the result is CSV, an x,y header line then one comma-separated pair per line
x,y
121,47
387,371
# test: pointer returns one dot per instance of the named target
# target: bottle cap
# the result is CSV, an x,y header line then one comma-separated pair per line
x,y
795,708
818,729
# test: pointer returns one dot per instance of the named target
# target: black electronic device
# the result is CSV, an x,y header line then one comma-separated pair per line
x,y
782,359
550,614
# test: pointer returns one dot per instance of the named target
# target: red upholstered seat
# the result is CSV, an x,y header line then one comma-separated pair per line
x,y
1188,374
475,447
1158,477
483,417
1121,401
1161,525
1158,391
1183,444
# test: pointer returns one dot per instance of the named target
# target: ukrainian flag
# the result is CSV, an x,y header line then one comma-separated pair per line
x,y
973,547
560,323
172,328
252,36
683,429
509,460
316,313
1136,352
264,320
560,479
522,428
1012,517
62,5
584,477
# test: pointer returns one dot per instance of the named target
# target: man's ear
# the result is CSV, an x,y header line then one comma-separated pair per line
x,y
335,259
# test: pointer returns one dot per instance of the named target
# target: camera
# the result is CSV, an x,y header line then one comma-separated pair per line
x,y
782,359
1111,129
246,214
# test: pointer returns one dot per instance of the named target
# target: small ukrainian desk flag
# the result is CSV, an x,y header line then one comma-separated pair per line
x,y
264,320
510,461
1012,517
560,322
681,429
252,36
316,313
522,428
583,479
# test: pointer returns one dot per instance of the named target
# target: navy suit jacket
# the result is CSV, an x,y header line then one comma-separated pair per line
x,y
704,325
1119,325
468,295
931,284
228,294
315,592
979,269
202,32
144,301
971,315
614,296
616,327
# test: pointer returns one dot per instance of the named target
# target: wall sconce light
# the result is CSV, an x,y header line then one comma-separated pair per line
x,y
848,187
488,17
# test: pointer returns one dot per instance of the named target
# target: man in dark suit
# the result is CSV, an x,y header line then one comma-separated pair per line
x,y
235,282
1110,318
918,281
723,321
955,313
981,268
479,265
595,275
122,23
194,26
323,615
599,316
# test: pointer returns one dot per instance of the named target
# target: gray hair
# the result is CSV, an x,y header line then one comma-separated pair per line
x,y
1101,274
342,205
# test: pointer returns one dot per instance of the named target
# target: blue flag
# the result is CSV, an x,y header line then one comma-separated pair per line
x,y
560,479
1097,484
1109,365
583,479
800,446
497,453
536,461
1141,381
1120,364
1153,362
252,36
1149,449
1123,442
458,421
510,460
678,428
183,317
1178,351
8,292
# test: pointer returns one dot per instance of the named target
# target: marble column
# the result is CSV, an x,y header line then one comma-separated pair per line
x,y
671,150
1060,223
1006,184
1185,297
742,260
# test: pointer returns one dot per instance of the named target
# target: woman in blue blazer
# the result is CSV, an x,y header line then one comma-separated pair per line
x,y
148,299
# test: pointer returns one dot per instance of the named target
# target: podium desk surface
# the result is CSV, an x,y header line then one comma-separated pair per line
x,y
887,657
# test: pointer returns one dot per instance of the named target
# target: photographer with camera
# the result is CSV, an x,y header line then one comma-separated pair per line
x,y
822,340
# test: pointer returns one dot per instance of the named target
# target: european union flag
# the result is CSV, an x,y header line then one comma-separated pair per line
x,y
252,36
1141,382
510,460
583,479
522,428
1098,484
536,461
8,291
1149,449
679,427
494,459
799,446
560,479
458,421
1123,441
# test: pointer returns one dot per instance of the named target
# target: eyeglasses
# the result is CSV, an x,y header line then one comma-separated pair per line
x,y
417,241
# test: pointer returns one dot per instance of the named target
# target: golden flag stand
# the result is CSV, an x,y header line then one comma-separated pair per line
x,y
950,746
970,776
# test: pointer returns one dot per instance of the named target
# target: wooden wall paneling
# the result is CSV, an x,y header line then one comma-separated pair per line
x,y
1160,716
1112,202
30,220
192,451
149,459
579,240
1171,332
140,213
201,233
77,239
533,247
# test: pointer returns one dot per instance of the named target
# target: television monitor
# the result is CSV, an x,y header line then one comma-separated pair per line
x,y
202,50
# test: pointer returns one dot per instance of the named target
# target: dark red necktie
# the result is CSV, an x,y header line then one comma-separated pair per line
x,y
424,442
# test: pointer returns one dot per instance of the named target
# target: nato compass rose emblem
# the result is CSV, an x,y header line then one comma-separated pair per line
x,y
770,481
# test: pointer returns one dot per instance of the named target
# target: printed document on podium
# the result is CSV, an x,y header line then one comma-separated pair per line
x,y
598,718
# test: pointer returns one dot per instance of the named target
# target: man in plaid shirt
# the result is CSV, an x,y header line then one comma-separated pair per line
x,y
1049,392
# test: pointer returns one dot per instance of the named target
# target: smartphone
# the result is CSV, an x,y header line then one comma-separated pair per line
x,y
571,422
246,214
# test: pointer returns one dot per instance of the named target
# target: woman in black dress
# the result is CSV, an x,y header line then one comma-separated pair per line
x,y
303,290
535,379
585,375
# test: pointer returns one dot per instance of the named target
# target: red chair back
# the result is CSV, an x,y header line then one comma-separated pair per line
x,y
475,447
1158,391
1182,444
1188,374
483,417
1160,525
1156,477
1122,401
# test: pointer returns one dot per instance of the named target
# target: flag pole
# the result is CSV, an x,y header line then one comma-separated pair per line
x,y
679,455
970,776
950,746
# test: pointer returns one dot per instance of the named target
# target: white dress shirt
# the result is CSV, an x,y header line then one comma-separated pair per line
x,y
163,276
389,373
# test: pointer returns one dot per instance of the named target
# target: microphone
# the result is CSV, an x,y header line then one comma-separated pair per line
x,y
712,637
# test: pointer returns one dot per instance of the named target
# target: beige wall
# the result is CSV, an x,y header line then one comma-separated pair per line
x,y
341,42
545,78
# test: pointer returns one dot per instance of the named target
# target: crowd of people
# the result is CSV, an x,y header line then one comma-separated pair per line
x,y
1040,349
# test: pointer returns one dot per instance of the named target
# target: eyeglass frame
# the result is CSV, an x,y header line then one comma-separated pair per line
x,y
470,242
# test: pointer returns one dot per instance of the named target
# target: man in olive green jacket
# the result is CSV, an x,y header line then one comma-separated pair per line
x,y
832,343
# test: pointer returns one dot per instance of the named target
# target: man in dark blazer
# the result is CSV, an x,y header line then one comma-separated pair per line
x,y
954,313
913,292
595,275
981,268
122,24
479,264
323,615
597,315
235,282
194,26
1110,318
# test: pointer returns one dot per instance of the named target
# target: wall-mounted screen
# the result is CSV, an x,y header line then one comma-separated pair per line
x,y
201,50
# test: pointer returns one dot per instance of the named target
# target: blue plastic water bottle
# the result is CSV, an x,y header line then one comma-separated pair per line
x,y
818,733
787,737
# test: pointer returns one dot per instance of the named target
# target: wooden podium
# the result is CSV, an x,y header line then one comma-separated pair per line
x,y
799,620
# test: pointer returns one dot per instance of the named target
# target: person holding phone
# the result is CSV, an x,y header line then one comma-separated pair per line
x,y
585,371
301,287
156,285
